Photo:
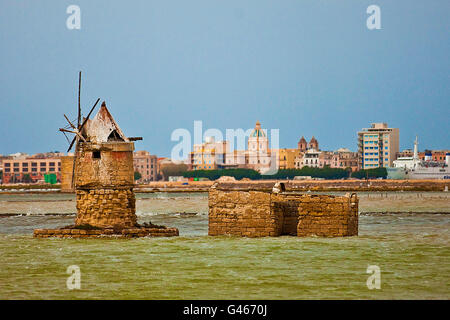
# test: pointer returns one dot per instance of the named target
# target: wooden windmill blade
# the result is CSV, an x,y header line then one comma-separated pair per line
x,y
82,125
79,101
77,130
76,138
74,162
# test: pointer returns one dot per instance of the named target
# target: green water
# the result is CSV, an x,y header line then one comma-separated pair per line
x,y
412,251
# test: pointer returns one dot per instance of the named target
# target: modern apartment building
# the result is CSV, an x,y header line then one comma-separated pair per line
x,y
377,146
146,165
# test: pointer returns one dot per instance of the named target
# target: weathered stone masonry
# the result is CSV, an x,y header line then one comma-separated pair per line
x,y
104,185
242,211
104,181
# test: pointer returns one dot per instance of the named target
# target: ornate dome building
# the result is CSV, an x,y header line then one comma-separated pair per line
x,y
258,149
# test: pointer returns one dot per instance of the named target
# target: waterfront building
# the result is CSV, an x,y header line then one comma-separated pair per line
x,y
436,155
236,159
344,158
146,165
286,157
404,153
311,158
2,158
212,155
258,152
31,169
209,155
377,146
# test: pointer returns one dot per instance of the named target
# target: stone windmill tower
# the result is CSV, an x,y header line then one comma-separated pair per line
x,y
102,171
103,178
104,174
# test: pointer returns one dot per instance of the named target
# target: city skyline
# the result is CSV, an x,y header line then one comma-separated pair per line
x,y
351,148
311,69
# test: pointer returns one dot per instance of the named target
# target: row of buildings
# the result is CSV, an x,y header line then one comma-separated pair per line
x,y
212,155
24,168
378,146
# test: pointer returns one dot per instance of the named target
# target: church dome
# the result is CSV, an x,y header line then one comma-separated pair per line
x,y
257,132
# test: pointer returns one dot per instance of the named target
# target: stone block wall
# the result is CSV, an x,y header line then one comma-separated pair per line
x,y
106,233
106,208
260,213
108,164
242,214
66,173
318,215
104,183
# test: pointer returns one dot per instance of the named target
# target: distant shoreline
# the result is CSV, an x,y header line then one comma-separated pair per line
x,y
291,185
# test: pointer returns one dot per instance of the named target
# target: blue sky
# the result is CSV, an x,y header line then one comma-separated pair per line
x,y
304,67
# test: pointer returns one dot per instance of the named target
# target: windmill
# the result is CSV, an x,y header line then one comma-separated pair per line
x,y
77,130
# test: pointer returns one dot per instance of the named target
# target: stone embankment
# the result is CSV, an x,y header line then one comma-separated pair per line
x,y
305,185
106,233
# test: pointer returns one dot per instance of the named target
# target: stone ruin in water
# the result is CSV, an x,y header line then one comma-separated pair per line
x,y
103,178
268,210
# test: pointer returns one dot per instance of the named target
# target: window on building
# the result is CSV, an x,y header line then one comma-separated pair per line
x,y
16,164
34,164
25,169
25,164
7,170
52,164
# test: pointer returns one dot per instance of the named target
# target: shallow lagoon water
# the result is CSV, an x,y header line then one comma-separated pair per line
x,y
411,249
